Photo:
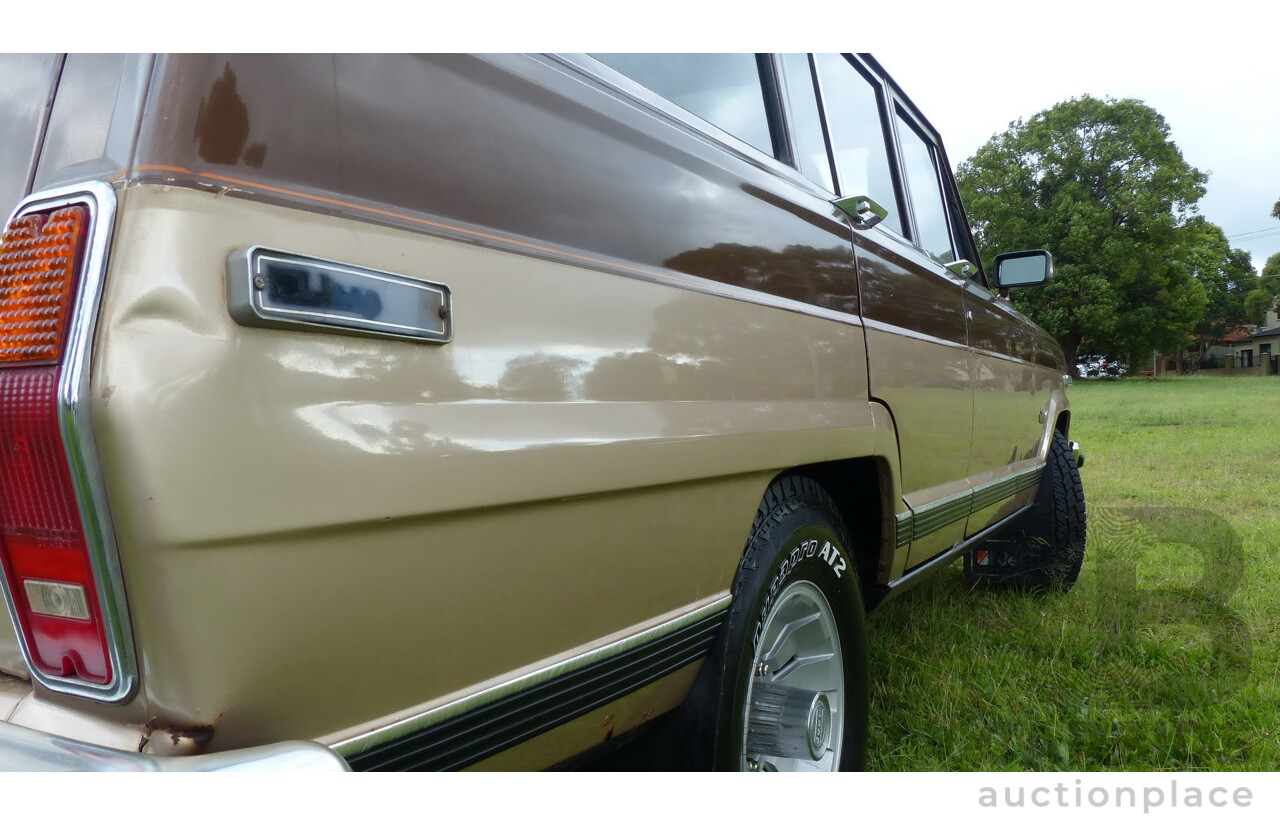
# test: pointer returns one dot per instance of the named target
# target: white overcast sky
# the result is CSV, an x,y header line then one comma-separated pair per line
x,y
1211,67
1221,99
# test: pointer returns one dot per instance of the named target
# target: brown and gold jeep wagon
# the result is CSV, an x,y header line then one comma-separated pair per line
x,y
440,412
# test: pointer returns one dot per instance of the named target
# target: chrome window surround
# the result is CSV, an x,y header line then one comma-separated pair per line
x,y
638,95
75,424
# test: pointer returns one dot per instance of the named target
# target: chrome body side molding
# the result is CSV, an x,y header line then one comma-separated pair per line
x,y
464,732
880,594
918,523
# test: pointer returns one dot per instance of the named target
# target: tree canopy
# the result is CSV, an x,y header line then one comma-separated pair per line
x,y
1102,186
1271,269
1226,274
1262,297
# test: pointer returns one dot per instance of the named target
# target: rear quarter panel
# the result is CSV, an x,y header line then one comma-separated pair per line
x,y
320,531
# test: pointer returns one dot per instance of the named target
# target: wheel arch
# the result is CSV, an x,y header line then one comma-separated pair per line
x,y
1063,423
860,488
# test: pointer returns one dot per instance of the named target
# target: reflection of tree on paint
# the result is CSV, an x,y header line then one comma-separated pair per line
x,y
540,377
822,277
691,355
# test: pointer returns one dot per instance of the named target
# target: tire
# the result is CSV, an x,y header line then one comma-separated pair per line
x,y
759,704
1046,551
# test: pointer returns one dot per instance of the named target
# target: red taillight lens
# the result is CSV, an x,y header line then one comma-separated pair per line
x,y
42,541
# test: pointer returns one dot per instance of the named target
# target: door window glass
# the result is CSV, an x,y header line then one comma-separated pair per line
x,y
857,134
806,123
926,195
724,89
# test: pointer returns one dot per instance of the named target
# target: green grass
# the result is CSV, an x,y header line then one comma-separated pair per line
x,y
1165,656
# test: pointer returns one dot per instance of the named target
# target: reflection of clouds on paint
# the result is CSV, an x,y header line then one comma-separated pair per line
x,y
339,362
488,365
480,425
380,429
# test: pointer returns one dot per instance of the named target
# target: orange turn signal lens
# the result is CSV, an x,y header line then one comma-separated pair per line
x,y
39,256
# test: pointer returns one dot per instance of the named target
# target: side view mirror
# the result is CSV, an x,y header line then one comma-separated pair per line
x,y
1029,268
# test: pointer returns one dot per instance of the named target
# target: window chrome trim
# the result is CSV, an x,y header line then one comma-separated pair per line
x,y
635,94
76,426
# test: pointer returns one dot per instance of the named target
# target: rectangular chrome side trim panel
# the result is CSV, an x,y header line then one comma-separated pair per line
x,y
382,304
903,530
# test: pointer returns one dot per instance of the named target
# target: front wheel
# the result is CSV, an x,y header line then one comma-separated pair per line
x,y
790,665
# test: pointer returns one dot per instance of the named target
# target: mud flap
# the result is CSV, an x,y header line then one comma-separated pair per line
x,y
999,559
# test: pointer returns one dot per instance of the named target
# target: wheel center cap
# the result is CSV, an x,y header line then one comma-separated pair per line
x,y
819,726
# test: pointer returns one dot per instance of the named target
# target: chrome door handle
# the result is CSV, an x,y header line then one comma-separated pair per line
x,y
962,268
865,212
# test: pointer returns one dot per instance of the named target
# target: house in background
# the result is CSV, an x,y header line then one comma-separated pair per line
x,y
1257,351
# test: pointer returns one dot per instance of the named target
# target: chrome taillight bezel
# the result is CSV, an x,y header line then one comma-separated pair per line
x,y
75,426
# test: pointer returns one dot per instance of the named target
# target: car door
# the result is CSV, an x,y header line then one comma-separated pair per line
x,y
1011,377
1014,376
913,306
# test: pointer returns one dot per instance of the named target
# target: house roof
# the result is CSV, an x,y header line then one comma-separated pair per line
x,y
1274,332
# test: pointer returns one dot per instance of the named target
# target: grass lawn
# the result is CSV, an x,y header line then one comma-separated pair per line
x,y
1164,656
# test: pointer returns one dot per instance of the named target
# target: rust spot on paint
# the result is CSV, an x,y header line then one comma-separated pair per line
x,y
181,739
197,735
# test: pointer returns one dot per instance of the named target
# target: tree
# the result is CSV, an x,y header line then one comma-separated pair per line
x,y
1226,274
1271,269
1275,210
1100,184
1256,304
1262,298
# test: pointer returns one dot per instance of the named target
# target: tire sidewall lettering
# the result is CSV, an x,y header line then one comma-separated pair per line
x,y
809,552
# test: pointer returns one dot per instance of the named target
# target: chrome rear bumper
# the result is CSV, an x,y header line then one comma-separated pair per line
x,y
23,749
